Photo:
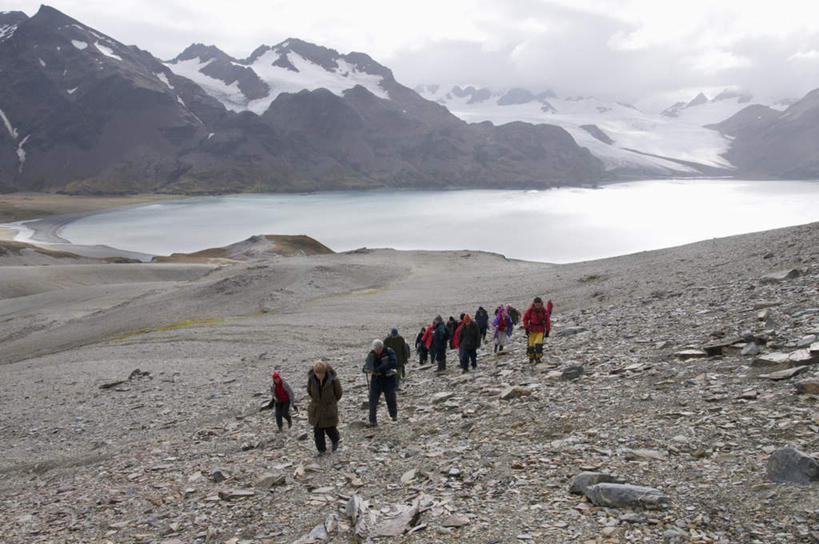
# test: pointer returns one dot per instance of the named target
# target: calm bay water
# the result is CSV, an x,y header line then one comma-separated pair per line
x,y
559,225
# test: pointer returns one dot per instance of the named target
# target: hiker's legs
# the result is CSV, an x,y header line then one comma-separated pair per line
x,y
392,402
375,394
286,413
318,436
440,356
332,432
471,355
279,414
535,348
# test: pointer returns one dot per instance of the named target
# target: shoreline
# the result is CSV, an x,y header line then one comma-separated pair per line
x,y
46,231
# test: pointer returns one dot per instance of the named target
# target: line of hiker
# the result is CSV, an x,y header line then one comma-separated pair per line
x,y
385,365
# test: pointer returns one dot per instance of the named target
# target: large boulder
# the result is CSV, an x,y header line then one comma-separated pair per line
x,y
791,465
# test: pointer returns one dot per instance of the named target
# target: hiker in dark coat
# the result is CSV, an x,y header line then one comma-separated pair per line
x,y
397,343
451,326
482,320
437,346
468,338
421,348
283,398
324,390
381,366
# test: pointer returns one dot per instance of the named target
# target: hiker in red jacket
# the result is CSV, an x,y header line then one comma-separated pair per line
x,y
537,322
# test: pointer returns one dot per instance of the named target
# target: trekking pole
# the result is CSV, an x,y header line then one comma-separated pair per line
x,y
367,377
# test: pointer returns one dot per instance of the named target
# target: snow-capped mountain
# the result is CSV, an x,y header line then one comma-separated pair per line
x,y
770,143
80,111
628,141
254,83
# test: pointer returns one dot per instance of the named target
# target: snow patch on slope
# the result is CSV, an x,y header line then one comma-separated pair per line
x,y
78,44
21,153
7,31
11,129
229,95
164,79
107,51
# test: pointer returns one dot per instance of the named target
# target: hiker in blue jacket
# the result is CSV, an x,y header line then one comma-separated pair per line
x,y
381,365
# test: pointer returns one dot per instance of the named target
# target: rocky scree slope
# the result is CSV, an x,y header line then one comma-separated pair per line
x,y
671,395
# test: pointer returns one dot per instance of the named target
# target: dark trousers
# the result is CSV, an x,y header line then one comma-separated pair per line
x,y
439,355
483,334
318,435
283,412
468,355
386,385
423,352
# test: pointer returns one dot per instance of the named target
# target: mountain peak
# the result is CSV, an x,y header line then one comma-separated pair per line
x,y
202,52
697,100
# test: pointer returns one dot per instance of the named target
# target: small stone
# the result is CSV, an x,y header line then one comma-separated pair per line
x,y
691,354
808,387
235,494
571,331
751,349
781,275
514,392
572,372
625,495
219,476
457,520
784,374
408,476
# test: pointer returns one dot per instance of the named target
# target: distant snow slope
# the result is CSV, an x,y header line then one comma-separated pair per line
x,y
625,138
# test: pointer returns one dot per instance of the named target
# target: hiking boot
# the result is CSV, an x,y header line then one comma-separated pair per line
x,y
321,454
394,418
335,445
496,348
371,424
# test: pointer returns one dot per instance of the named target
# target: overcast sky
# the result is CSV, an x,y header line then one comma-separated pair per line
x,y
634,50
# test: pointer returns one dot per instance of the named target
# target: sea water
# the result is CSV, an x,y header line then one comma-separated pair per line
x,y
556,225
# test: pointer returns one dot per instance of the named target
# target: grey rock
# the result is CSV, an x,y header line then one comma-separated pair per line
x,y
771,359
808,387
514,392
691,354
751,349
584,480
571,331
457,520
791,465
781,275
572,372
784,374
626,496
219,475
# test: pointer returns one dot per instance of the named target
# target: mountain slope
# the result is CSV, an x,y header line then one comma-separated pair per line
x,y
82,112
769,143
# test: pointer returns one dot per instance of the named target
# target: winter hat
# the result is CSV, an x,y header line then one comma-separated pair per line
x,y
462,315
538,299
394,332
467,318
277,375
